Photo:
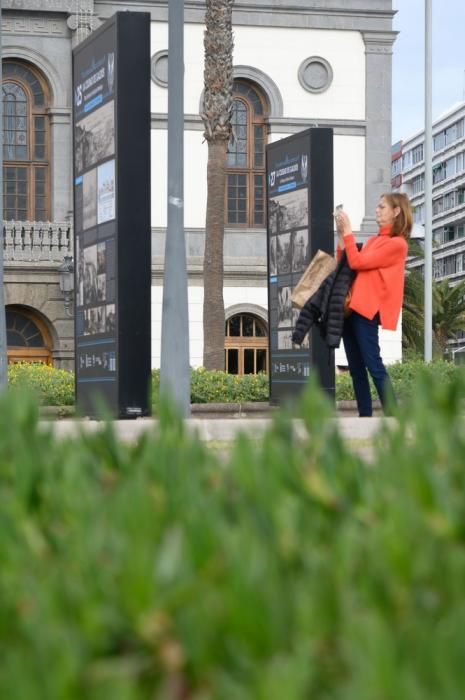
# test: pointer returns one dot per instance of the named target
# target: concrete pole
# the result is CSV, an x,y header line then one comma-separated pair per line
x,y
174,369
3,338
428,184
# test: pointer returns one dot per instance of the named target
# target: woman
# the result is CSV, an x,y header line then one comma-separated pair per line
x,y
376,295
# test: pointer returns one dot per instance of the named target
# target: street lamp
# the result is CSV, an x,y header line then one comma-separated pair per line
x,y
66,273
174,361
428,154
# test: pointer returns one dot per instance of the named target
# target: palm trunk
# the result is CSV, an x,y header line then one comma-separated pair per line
x,y
218,78
213,307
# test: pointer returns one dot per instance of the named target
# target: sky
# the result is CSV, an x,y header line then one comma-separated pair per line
x,y
408,82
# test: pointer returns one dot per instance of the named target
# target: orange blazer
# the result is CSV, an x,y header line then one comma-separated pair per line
x,y
379,283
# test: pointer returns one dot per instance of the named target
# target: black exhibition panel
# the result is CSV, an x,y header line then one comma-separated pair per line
x,y
300,221
112,227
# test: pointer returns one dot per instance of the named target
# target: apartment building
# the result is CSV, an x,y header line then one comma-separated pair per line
x,y
408,175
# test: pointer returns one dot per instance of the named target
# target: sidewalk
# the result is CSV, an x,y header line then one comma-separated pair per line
x,y
212,429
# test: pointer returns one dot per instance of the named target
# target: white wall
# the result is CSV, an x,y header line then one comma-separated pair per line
x,y
232,296
195,178
278,52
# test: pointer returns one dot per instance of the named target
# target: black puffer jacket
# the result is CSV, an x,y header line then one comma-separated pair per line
x,y
326,307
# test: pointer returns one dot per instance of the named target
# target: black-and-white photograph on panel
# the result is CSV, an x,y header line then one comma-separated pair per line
x,y
106,191
300,250
89,190
110,318
95,137
101,258
285,340
273,269
289,210
90,292
101,288
283,253
285,310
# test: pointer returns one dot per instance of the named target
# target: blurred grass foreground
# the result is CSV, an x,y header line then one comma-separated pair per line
x,y
292,571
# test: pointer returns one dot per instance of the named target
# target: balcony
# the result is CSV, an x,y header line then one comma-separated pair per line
x,y
36,241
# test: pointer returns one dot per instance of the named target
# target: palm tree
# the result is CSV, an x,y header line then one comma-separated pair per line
x,y
218,79
448,314
412,313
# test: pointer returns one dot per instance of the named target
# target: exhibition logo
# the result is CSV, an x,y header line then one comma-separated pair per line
x,y
78,96
304,167
110,71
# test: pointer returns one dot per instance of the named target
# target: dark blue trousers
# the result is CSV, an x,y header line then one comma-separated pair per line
x,y
361,343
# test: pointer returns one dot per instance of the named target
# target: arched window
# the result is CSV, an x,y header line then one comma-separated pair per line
x,y
28,338
245,191
26,173
246,345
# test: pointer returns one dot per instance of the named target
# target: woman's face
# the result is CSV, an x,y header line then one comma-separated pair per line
x,y
385,214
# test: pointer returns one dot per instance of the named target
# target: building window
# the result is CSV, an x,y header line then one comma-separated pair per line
x,y
246,345
245,173
407,160
449,234
26,168
417,154
418,184
28,338
439,141
419,213
396,167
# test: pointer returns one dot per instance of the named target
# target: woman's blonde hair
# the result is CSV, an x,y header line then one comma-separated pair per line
x,y
404,220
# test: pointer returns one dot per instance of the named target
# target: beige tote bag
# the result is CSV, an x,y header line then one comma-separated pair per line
x,y
321,265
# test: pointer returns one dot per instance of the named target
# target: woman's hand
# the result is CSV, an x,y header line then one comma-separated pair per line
x,y
343,225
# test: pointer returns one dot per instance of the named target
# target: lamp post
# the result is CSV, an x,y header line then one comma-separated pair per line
x,y
428,271
174,365
3,338
66,272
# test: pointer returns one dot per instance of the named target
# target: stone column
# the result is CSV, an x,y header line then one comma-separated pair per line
x,y
61,139
82,21
378,113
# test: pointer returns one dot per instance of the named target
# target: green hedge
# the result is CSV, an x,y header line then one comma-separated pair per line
x,y
290,569
220,387
55,387
404,376
51,386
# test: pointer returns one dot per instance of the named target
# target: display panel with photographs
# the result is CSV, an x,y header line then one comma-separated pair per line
x,y
94,203
112,189
299,204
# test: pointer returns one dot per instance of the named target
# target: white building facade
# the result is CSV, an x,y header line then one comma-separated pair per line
x,y
295,66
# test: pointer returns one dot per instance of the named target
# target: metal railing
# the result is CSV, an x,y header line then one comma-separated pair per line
x,y
35,241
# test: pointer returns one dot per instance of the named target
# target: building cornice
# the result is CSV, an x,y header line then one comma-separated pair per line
x,y
354,15
379,42
284,125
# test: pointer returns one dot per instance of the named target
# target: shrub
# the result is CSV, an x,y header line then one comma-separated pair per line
x,y
404,377
220,387
149,571
51,386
